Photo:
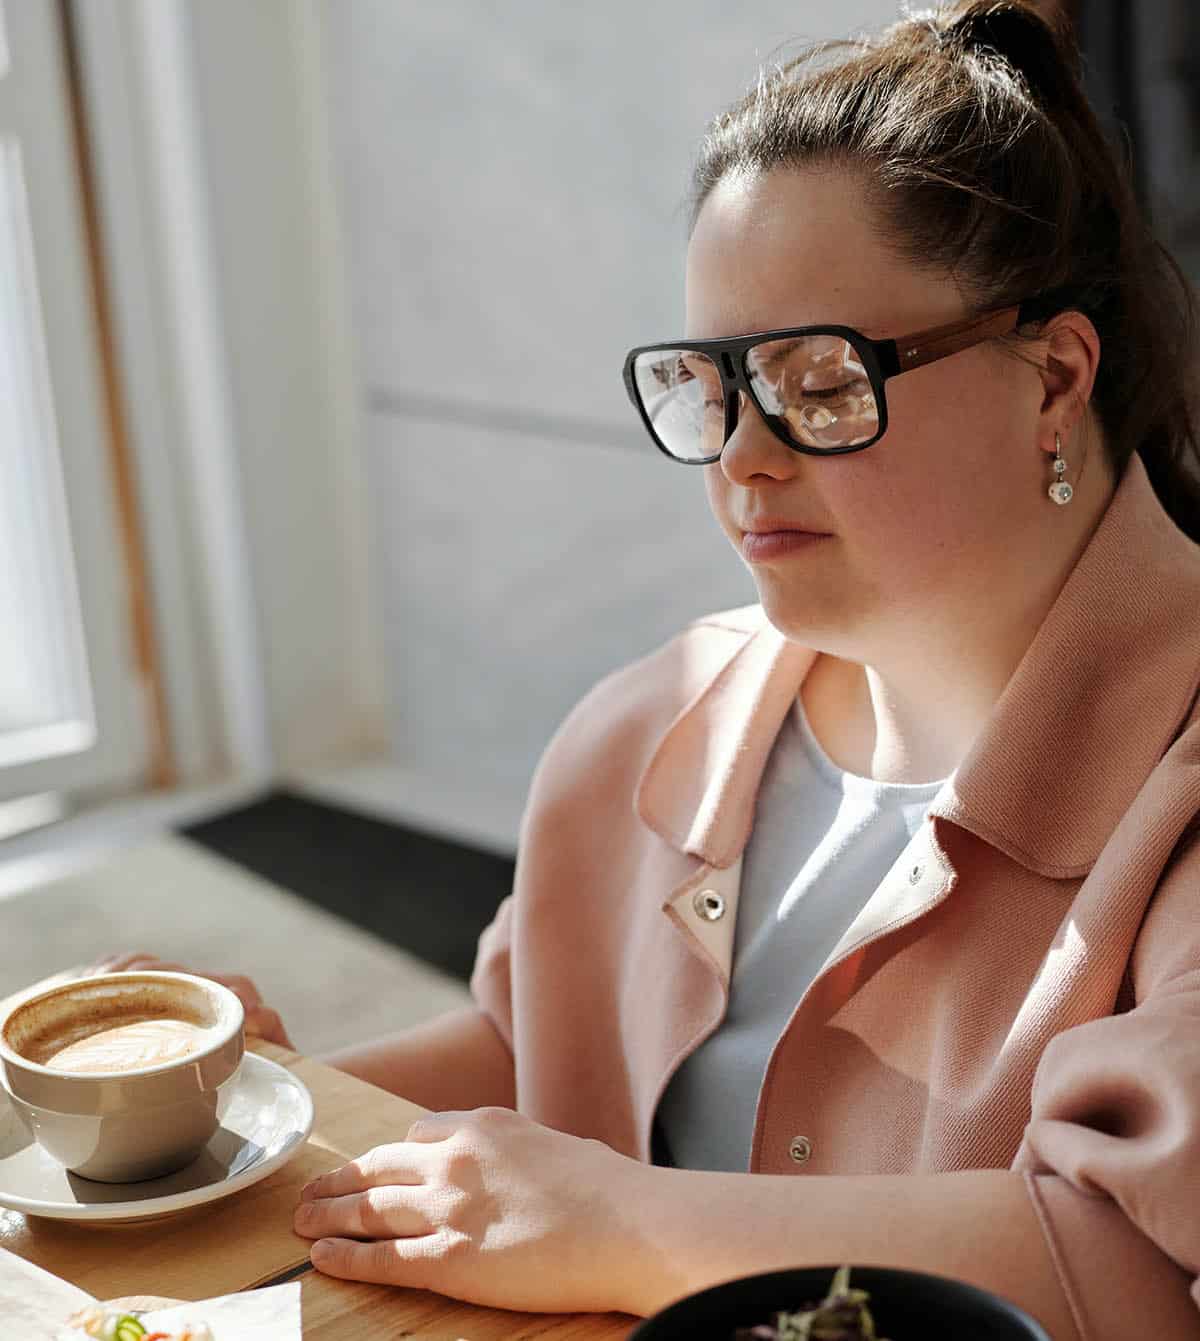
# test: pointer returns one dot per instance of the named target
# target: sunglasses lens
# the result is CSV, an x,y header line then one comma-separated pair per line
x,y
816,388
680,391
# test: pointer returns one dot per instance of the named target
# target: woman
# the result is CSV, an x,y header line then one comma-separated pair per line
x,y
947,772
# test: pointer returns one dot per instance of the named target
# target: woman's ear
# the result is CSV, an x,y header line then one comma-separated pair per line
x,y
1071,357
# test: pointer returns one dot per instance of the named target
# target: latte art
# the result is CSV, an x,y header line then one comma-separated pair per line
x,y
124,1044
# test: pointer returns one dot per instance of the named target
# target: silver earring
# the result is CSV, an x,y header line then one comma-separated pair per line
x,y
1060,490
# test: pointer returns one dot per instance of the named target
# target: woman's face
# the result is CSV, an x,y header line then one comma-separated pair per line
x,y
924,524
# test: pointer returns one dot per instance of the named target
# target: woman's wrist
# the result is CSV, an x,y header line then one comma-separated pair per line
x,y
663,1230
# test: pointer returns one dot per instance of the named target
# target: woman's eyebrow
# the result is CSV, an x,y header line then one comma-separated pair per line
x,y
782,348
777,352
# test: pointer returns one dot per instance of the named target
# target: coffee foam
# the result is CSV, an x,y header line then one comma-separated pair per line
x,y
123,1043
121,1027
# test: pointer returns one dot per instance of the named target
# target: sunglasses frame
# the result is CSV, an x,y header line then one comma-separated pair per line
x,y
882,359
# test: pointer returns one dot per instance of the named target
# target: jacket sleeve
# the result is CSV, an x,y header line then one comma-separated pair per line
x,y
594,758
1111,1155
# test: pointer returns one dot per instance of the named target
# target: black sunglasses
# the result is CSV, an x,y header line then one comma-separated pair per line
x,y
682,388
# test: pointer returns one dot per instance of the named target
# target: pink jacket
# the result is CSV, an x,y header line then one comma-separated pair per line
x,y
1021,991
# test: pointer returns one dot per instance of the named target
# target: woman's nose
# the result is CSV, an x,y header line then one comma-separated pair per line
x,y
752,449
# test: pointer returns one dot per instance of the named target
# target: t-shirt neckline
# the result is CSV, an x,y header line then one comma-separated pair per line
x,y
845,781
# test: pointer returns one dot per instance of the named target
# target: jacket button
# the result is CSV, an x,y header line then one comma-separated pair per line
x,y
800,1149
709,904
915,874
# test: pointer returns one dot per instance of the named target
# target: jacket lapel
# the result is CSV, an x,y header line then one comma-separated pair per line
x,y
698,789
705,908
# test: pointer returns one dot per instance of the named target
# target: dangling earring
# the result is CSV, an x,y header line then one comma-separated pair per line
x,y
1060,490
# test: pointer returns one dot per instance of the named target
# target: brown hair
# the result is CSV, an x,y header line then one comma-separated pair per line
x,y
982,158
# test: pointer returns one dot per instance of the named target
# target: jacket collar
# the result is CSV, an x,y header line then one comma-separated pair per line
x,y
1104,687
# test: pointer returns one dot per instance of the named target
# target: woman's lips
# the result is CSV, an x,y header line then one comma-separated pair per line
x,y
762,546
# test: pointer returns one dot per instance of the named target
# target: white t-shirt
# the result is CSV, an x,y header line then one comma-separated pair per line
x,y
823,840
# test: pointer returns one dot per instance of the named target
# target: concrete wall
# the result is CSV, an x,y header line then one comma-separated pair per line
x,y
512,185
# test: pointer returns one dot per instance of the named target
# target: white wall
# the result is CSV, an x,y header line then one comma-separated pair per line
x,y
512,183
278,258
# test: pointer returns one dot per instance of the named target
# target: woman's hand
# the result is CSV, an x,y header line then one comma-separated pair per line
x,y
487,1206
261,1020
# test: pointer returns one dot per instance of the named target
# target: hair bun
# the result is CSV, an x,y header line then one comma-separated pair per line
x,y
1022,36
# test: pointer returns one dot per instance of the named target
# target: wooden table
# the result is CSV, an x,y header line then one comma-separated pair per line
x,y
247,1240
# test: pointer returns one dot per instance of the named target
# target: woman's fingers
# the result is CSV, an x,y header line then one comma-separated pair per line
x,y
263,1022
396,1261
388,1212
374,1196
241,986
131,960
385,1164
114,963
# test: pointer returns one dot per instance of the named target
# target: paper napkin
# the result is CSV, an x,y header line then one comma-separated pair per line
x,y
34,1302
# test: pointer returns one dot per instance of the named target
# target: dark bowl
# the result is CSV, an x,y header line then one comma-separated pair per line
x,y
906,1306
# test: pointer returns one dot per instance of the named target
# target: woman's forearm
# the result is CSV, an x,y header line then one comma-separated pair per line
x,y
695,1229
453,1061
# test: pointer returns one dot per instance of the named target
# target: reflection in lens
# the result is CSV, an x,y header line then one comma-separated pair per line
x,y
681,392
817,388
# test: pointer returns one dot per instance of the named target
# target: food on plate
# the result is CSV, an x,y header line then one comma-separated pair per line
x,y
109,1325
842,1315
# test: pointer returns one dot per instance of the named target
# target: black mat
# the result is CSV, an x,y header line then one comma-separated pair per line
x,y
428,895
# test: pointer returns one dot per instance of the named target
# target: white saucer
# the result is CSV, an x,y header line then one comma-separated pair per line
x,y
268,1119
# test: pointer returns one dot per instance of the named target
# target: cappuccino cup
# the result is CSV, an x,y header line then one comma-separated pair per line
x,y
123,1076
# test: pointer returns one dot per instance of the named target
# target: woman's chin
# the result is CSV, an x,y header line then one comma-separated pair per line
x,y
807,622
